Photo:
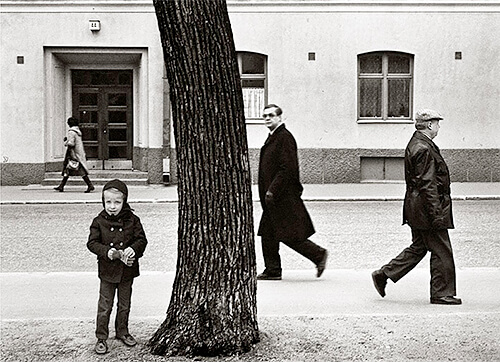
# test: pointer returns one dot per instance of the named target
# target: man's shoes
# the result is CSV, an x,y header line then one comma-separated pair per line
x,y
128,340
380,281
90,189
59,188
450,300
265,276
101,347
322,265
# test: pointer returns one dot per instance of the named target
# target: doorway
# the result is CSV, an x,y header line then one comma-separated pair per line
x,y
102,100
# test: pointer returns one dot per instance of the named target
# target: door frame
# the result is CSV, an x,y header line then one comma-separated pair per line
x,y
59,61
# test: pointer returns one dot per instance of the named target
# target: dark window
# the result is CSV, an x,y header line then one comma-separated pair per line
x,y
253,73
385,86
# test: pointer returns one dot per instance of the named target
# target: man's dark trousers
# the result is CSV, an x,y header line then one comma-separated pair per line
x,y
106,297
443,281
272,260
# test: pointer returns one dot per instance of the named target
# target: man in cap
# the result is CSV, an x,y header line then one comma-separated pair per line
x,y
427,210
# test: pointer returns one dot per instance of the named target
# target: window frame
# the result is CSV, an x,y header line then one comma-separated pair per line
x,y
385,76
239,55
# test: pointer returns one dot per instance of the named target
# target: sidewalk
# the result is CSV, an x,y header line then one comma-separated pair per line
x,y
300,293
37,194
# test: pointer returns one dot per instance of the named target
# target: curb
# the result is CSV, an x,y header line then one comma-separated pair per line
x,y
307,199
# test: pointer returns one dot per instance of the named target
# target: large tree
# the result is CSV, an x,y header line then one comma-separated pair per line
x,y
212,309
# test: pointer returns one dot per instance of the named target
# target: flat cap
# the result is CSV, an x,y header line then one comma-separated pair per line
x,y
424,115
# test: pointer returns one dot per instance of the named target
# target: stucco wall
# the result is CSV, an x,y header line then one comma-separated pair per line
x,y
319,98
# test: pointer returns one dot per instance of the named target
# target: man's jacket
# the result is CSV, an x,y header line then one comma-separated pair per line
x,y
427,203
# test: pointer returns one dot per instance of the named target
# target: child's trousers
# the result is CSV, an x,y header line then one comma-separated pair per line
x,y
105,306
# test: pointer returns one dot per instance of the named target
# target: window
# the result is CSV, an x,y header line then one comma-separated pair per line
x,y
253,71
385,86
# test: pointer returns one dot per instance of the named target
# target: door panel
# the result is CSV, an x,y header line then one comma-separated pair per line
x,y
103,102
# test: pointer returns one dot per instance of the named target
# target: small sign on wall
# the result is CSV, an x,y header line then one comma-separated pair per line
x,y
94,25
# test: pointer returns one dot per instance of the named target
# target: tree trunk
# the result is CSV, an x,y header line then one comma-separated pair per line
x,y
212,309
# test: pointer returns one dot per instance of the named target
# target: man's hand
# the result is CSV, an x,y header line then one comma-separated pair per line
x,y
269,198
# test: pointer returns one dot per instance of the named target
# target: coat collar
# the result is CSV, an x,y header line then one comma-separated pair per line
x,y
272,136
422,137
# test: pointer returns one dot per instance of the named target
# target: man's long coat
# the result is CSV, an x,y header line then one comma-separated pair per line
x,y
286,219
427,202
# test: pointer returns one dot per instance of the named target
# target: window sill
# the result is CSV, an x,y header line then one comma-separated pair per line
x,y
254,121
381,121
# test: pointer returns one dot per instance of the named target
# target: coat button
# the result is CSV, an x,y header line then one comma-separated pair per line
x,y
110,244
112,229
121,244
120,229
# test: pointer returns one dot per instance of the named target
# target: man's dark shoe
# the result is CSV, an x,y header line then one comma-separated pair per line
x,y
322,265
446,300
101,347
380,281
128,340
59,188
265,276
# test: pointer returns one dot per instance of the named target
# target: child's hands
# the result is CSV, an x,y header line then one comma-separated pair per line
x,y
114,254
129,252
128,261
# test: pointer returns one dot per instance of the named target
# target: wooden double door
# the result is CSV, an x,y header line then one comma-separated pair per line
x,y
102,99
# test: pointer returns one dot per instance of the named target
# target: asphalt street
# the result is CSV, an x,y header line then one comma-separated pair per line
x,y
359,235
47,272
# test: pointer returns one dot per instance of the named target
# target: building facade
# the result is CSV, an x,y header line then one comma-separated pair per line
x,y
348,75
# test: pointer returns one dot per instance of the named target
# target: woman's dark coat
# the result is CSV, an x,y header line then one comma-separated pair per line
x,y
119,232
286,219
427,202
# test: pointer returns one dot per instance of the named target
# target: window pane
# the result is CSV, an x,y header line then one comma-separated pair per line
x,y
399,64
118,134
252,83
125,78
89,134
103,77
88,116
253,99
370,97
91,151
399,98
117,99
370,64
88,99
252,63
117,117
79,77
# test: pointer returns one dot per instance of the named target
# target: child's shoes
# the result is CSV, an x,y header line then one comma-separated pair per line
x,y
128,340
101,346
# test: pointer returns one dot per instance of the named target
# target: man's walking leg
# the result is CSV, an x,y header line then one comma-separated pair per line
x,y
443,278
311,251
272,260
407,259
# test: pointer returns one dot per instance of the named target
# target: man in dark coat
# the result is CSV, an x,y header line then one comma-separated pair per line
x,y
427,210
284,218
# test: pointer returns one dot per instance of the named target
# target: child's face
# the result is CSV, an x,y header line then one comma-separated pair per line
x,y
113,201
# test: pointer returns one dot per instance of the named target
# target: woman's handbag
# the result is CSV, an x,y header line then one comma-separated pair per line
x,y
73,164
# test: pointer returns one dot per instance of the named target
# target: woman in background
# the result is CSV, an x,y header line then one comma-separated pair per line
x,y
75,161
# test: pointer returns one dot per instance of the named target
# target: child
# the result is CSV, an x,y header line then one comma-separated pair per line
x,y
118,239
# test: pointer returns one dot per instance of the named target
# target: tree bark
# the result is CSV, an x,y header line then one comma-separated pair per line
x,y
213,308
